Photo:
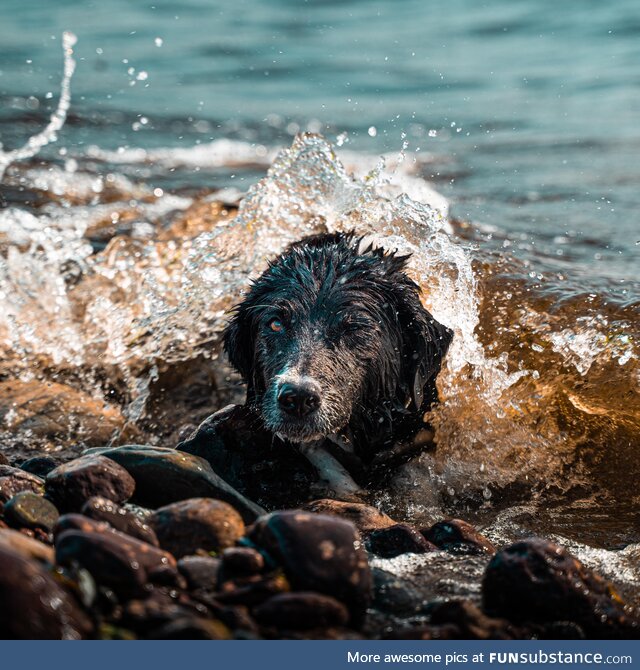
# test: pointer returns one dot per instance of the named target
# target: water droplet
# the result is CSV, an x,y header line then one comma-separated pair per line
x,y
373,131
158,41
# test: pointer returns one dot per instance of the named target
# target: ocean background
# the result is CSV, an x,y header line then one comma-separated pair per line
x,y
528,110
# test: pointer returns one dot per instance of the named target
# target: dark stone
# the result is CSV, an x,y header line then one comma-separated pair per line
x,y
458,537
82,523
301,610
198,523
27,546
15,480
3,459
102,509
318,553
242,561
251,459
536,580
201,572
33,606
157,608
395,540
466,621
70,485
364,517
191,628
29,510
39,465
164,476
251,590
114,559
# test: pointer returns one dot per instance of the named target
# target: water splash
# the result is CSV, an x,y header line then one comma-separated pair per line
x,y
58,118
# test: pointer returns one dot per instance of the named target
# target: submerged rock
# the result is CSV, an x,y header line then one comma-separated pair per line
x,y
458,537
49,410
396,540
29,510
364,517
301,610
15,480
198,523
536,580
102,509
70,485
33,606
164,476
318,553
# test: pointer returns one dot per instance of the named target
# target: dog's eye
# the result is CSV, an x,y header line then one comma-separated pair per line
x,y
276,325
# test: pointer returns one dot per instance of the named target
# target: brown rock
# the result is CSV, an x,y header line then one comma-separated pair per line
x,y
15,480
70,485
29,510
199,523
364,517
32,604
536,580
114,559
242,561
301,610
201,572
396,540
318,553
50,410
26,546
458,537
102,509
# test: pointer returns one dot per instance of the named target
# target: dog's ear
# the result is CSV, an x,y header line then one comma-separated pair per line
x,y
424,344
237,339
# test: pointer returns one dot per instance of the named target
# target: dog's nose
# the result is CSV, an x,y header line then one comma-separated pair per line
x,y
297,400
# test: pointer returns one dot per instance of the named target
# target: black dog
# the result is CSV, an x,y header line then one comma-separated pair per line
x,y
336,347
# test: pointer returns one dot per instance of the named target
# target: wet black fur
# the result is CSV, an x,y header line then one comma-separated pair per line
x,y
354,321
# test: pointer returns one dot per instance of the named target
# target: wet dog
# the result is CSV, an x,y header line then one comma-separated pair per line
x,y
338,353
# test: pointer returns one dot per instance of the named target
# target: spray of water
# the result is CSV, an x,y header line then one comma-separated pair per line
x,y
48,134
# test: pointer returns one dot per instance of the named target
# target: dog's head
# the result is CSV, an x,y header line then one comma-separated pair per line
x,y
329,332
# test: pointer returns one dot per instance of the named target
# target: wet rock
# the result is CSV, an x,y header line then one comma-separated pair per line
x,y
70,485
81,523
318,553
49,410
114,559
3,459
364,517
458,537
157,608
396,540
102,509
165,476
201,572
301,610
252,590
191,628
39,465
26,546
29,510
15,480
242,561
251,459
198,523
536,580
33,605
467,622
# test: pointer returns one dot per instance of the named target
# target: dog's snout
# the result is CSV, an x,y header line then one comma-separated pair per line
x,y
298,399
